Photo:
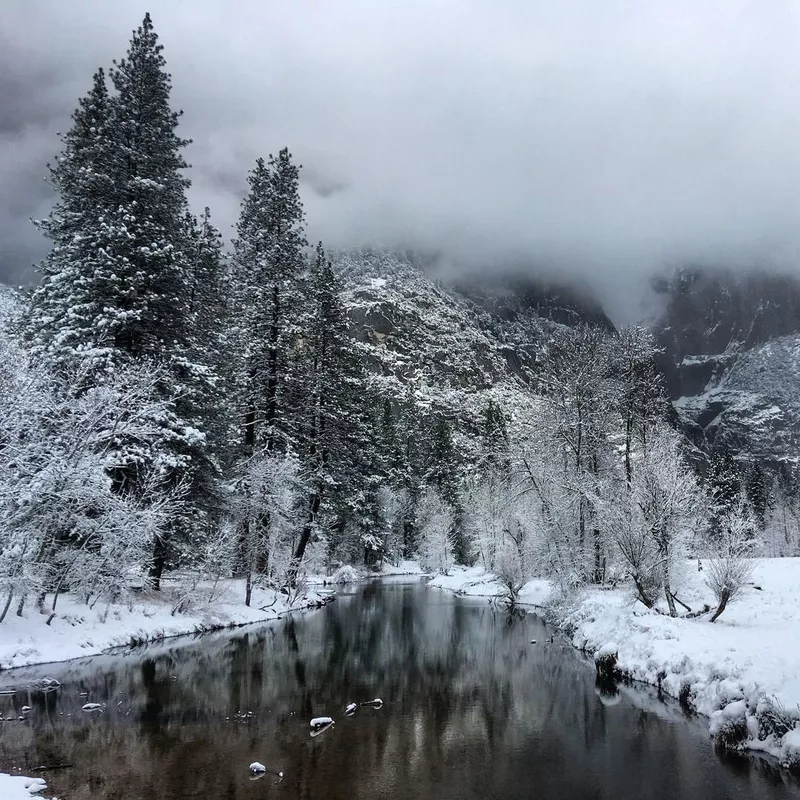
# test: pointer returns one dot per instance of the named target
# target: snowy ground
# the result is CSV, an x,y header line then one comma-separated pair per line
x,y
732,670
353,575
16,787
78,631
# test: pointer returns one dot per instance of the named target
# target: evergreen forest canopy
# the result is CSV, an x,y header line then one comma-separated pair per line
x,y
171,406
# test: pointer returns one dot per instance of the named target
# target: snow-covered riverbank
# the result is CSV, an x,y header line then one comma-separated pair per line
x,y
348,574
738,671
17,787
78,630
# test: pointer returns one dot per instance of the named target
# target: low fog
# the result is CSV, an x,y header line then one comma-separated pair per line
x,y
598,140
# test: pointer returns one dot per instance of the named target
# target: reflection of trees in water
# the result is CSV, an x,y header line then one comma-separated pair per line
x,y
468,699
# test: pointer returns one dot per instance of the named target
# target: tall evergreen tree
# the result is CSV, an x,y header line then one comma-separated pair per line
x,y
208,307
148,309
494,434
115,285
60,320
640,393
268,265
443,473
333,438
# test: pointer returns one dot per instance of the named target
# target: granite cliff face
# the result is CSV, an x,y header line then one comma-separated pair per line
x,y
474,334
732,360
455,348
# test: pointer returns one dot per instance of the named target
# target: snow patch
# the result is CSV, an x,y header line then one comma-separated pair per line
x,y
78,631
17,787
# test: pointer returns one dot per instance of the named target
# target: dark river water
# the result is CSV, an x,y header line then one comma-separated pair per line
x,y
471,709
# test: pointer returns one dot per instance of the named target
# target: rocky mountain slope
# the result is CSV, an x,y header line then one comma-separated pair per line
x,y
732,360
455,346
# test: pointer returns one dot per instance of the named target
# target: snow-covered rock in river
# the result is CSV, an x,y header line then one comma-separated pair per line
x,y
318,722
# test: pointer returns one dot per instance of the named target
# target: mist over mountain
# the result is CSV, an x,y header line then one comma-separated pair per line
x,y
596,143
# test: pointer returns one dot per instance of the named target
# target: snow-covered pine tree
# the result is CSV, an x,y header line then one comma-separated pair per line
x,y
758,489
148,312
208,362
115,287
404,461
723,481
494,435
60,321
268,264
332,436
443,473
208,291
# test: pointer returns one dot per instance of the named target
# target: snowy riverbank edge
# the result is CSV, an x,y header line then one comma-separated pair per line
x,y
18,787
346,574
742,672
78,631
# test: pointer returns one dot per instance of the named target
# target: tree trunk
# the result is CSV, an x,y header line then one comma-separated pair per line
x,y
272,369
7,605
723,602
159,562
641,592
305,537
628,438
673,612
248,586
598,546
250,428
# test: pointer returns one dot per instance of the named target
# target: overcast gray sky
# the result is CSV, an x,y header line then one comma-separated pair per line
x,y
603,138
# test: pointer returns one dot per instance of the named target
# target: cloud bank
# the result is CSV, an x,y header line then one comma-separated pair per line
x,y
598,139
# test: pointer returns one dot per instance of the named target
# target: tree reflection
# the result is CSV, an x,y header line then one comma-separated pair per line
x,y
472,709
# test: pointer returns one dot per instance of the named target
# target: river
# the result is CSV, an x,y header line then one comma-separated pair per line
x,y
472,709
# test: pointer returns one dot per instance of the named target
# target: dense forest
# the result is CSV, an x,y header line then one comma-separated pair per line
x,y
172,405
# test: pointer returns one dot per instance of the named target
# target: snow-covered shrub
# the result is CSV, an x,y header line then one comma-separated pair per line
x,y
790,748
729,725
774,719
345,574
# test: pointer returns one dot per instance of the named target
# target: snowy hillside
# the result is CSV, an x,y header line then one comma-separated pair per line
x,y
421,337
